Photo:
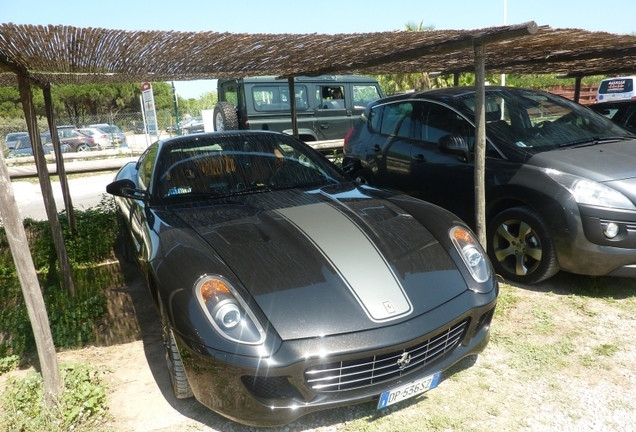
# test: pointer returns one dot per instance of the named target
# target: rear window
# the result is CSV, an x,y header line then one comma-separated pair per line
x,y
617,85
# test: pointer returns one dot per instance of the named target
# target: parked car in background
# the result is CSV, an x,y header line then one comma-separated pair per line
x,y
623,112
101,138
23,148
285,288
617,88
116,135
326,105
12,138
193,125
77,141
560,179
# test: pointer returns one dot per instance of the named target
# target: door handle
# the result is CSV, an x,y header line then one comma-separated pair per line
x,y
376,148
324,126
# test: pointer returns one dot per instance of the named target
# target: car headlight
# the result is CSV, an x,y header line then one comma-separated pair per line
x,y
471,252
227,311
590,192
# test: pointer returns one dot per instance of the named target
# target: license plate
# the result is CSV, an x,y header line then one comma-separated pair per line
x,y
408,391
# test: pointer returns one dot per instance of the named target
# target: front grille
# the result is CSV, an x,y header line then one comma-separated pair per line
x,y
350,374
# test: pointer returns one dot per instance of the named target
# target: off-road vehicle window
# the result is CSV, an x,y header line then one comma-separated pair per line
x,y
276,98
363,94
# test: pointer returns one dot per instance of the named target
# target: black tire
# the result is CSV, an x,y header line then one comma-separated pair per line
x,y
225,117
520,246
180,385
82,147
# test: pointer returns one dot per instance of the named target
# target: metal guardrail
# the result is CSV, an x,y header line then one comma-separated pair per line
x,y
111,160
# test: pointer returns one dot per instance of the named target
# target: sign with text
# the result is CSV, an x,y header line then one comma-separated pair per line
x,y
149,109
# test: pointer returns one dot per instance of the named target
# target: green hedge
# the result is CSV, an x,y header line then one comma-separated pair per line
x,y
71,318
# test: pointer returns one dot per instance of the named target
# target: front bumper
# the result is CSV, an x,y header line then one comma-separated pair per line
x,y
275,391
583,247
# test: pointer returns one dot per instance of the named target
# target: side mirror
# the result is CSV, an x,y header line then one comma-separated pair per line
x,y
126,188
455,144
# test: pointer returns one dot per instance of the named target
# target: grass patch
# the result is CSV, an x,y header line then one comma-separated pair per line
x,y
81,406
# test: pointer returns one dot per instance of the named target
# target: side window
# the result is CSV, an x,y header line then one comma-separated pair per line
x,y
330,97
276,98
376,117
363,94
394,117
146,164
229,93
438,121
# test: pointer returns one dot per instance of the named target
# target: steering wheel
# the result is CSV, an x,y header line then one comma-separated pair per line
x,y
279,169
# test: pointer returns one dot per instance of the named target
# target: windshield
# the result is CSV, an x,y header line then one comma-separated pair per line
x,y
524,122
225,165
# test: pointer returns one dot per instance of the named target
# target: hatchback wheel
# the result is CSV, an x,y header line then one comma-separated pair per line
x,y
180,385
520,246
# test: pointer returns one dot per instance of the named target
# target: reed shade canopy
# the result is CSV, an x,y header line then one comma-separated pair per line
x,y
57,54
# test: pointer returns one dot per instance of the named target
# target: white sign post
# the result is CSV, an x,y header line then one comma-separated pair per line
x,y
149,109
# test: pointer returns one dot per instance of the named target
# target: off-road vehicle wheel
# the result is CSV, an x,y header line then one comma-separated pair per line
x,y
225,117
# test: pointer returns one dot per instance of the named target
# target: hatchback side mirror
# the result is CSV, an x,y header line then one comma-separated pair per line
x,y
455,144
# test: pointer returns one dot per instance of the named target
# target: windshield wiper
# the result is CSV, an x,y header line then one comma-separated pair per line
x,y
596,140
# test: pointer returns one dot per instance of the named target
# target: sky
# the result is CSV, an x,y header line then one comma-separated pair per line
x,y
321,16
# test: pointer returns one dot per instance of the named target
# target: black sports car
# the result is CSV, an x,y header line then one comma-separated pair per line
x,y
285,288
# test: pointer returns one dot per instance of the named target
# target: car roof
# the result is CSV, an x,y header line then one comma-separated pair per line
x,y
320,78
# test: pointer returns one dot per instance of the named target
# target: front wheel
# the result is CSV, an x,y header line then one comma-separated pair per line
x,y
180,385
520,246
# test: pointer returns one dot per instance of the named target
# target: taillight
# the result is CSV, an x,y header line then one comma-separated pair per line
x,y
346,138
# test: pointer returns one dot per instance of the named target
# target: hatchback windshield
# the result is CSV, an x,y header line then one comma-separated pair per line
x,y
522,122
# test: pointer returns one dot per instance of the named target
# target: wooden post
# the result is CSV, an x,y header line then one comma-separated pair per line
x,y
292,104
480,144
26,97
59,159
577,88
27,275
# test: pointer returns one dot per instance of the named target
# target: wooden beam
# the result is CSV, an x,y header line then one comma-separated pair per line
x,y
59,159
577,89
36,309
465,42
26,98
560,58
480,144
292,104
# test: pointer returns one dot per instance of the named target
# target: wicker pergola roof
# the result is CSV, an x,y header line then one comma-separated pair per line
x,y
71,55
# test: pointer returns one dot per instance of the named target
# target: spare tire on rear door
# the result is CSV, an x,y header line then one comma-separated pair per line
x,y
225,117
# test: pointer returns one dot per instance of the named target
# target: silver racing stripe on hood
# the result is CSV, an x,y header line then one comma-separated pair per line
x,y
354,256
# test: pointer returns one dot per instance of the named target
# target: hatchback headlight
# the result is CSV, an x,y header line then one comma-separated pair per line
x,y
227,311
471,252
587,191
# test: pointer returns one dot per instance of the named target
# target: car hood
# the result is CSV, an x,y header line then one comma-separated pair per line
x,y
329,261
601,162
